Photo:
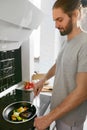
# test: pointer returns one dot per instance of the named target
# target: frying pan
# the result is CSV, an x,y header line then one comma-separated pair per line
x,y
7,112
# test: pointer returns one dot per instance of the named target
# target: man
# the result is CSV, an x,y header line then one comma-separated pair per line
x,y
68,104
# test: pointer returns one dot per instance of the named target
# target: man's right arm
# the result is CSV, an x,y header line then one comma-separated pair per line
x,y
39,85
50,73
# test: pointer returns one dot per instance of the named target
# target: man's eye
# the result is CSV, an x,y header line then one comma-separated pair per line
x,y
60,20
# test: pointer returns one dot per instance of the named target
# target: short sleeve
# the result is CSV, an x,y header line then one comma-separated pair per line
x,y
82,59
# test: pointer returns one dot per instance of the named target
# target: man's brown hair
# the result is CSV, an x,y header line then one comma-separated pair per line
x,y
68,6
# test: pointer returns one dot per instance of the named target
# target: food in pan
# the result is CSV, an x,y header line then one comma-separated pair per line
x,y
16,114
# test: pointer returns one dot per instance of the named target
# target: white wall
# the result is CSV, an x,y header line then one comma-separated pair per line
x,y
49,40
47,33
27,60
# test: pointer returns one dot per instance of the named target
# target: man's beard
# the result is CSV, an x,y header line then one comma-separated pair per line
x,y
67,30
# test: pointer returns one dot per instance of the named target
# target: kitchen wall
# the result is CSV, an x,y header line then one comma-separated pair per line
x,y
50,39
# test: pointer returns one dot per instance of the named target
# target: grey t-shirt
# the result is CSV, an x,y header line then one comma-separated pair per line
x,y
71,60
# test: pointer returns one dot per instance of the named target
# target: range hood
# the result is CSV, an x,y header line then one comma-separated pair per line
x,y
18,18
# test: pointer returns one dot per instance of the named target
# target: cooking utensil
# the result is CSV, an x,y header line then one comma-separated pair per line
x,y
8,111
26,114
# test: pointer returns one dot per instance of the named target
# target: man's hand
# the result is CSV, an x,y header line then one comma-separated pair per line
x,y
38,86
43,122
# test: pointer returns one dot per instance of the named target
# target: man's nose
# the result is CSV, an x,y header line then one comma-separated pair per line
x,y
57,25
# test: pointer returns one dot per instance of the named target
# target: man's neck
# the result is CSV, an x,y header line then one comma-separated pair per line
x,y
75,32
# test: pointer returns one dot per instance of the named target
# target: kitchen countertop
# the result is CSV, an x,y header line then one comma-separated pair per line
x,y
47,89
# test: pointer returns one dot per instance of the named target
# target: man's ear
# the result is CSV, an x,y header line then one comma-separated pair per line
x,y
77,14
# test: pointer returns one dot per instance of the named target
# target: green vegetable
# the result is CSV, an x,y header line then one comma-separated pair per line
x,y
19,118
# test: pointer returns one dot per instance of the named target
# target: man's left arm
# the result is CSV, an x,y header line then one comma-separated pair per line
x,y
73,100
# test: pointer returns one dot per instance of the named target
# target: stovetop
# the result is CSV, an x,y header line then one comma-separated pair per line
x,y
19,95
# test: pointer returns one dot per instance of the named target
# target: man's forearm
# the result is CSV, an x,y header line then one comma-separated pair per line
x,y
51,72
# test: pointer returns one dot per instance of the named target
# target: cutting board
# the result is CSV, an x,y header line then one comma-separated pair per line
x,y
47,89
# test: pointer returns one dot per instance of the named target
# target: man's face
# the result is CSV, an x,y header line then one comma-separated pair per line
x,y
62,22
